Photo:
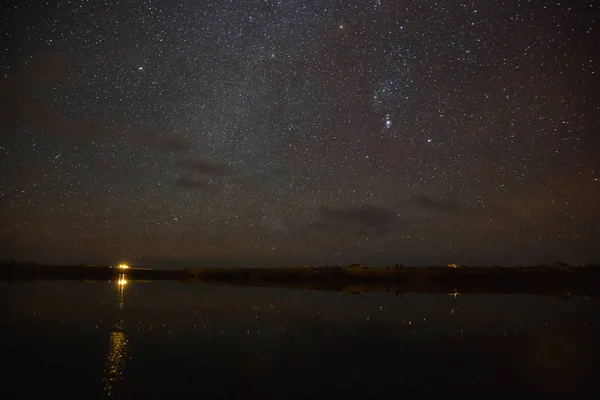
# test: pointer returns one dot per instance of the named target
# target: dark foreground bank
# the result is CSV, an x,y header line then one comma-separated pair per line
x,y
544,280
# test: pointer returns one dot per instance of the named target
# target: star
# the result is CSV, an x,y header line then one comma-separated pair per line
x,y
388,121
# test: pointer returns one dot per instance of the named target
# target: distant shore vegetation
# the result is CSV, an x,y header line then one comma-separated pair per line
x,y
556,279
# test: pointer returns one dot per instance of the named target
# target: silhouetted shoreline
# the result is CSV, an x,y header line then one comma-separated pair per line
x,y
83,272
543,280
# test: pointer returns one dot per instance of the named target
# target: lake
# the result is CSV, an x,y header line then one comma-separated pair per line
x,y
169,339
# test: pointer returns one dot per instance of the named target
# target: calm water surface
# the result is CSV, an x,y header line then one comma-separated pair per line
x,y
168,340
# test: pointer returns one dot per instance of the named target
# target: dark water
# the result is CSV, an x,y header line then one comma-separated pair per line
x,y
168,340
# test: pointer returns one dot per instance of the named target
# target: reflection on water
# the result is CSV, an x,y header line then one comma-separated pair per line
x,y
113,372
121,288
174,340
115,364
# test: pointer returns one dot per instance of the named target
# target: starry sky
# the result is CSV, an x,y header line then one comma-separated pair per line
x,y
172,133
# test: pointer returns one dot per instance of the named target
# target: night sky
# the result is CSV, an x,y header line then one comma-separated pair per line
x,y
287,132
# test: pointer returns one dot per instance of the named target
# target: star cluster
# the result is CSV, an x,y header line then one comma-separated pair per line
x,y
287,132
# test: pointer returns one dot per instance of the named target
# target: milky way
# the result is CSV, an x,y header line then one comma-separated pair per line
x,y
290,132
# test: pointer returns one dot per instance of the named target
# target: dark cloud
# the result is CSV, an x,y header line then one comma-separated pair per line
x,y
362,219
203,167
190,184
175,143
170,143
371,216
49,67
438,205
19,107
200,174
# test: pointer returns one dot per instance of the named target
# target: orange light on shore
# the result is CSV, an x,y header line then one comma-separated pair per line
x,y
123,266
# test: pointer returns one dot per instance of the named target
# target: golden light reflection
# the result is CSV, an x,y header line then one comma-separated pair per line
x,y
113,371
117,355
121,289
